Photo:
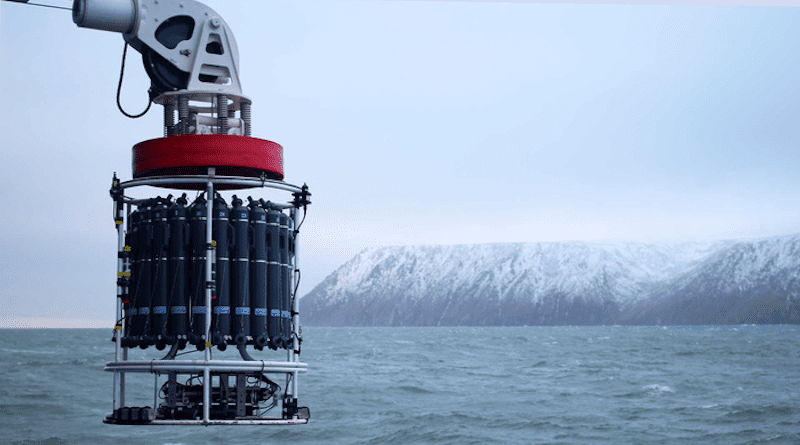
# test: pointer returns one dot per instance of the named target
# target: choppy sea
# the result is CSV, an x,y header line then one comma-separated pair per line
x,y
458,385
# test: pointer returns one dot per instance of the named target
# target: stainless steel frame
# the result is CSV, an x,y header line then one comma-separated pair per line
x,y
121,365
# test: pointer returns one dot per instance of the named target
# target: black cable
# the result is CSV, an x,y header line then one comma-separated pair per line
x,y
297,229
148,323
187,352
119,89
132,303
39,4
171,293
243,352
294,297
173,351
296,285
192,297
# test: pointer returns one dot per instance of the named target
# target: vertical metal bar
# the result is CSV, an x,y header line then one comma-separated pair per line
x,y
294,383
172,391
290,349
155,392
122,380
241,395
296,302
209,259
224,391
123,325
118,220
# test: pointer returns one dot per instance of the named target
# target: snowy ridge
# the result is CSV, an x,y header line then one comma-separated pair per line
x,y
747,282
541,268
755,281
563,283
746,265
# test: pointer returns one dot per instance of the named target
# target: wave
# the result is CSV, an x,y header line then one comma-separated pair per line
x,y
26,351
655,389
414,389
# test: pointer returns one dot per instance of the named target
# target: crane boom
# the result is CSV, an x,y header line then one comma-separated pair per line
x,y
184,45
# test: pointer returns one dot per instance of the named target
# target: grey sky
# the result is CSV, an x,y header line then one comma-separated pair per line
x,y
419,123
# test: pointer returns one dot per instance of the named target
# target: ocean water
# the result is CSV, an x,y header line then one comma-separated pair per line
x,y
458,385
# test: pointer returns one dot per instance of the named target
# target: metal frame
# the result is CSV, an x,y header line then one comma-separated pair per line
x,y
121,365
205,112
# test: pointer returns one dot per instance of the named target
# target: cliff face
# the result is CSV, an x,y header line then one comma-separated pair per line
x,y
561,283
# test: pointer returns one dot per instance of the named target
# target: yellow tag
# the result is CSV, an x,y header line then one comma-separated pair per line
x,y
118,222
214,243
127,248
123,274
208,344
117,328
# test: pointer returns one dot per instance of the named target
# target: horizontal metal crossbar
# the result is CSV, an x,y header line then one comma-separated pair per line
x,y
241,181
267,421
201,365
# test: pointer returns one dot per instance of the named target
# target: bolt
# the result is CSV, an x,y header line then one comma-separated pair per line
x,y
216,22
185,52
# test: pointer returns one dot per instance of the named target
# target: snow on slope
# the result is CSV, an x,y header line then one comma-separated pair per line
x,y
564,283
747,282
746,265
569,267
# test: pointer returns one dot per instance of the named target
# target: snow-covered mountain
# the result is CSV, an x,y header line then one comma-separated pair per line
x,y
557,283
746,282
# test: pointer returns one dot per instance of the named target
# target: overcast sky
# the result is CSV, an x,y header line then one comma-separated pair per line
x,y
418,122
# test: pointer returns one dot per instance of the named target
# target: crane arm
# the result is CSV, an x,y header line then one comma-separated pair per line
x,y
184,45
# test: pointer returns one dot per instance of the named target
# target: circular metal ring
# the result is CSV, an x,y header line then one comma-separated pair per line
x,y
199,181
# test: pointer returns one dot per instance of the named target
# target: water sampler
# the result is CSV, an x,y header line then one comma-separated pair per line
x,y
202,273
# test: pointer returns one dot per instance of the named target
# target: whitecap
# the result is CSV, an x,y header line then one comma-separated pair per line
x,y
657,388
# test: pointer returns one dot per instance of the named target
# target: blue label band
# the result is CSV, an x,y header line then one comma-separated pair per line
x,y
144,310
275,313
178,309
132,311
242,311
286,314
159,309
199,310
222,310
261,312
